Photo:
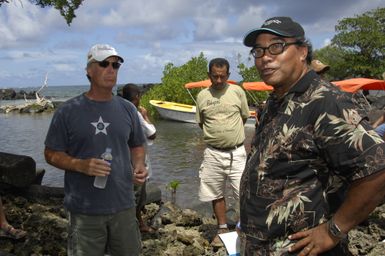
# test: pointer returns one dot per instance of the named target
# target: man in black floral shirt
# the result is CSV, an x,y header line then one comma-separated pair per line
x,y
316,168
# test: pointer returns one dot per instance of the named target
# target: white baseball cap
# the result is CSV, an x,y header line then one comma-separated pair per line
x,y
100,52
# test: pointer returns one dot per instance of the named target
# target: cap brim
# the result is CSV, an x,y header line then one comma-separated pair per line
x,y
324,68
101,58
250,38
121,59
319,67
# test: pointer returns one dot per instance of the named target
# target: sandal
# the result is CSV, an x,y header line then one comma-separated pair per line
x,y
10,232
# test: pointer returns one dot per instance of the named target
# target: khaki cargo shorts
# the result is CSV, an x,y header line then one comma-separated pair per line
x,y
216,168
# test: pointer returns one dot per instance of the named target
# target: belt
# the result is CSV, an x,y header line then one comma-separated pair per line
x,y
229,148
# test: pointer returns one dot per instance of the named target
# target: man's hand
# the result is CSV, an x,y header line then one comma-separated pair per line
x,y
313,241
144,113
139,168
140,175
95,167
90,167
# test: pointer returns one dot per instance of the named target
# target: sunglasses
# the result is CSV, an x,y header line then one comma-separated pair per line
x,y
273,49
105,64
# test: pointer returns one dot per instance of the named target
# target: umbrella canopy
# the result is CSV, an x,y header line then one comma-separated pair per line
x,y
355,84
348,85
203,83
257,86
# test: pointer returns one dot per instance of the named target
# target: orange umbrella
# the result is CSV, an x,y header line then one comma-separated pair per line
x,y
257,86
203,83
354,84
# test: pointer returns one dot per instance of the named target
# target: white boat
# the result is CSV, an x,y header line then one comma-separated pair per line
x,y
175,111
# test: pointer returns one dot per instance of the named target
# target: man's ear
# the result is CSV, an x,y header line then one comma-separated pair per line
x,y
304,53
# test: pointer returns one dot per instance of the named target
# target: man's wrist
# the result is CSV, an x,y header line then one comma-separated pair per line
x,y
335,230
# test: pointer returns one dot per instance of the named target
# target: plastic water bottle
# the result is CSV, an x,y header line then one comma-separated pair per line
x,y
100,181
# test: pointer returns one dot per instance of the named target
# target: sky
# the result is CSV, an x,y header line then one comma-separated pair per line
x,y
148,34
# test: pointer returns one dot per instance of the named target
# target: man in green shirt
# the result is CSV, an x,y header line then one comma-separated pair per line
x,y
222,111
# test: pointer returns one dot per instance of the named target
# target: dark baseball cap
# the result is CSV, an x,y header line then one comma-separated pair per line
x,y
282,26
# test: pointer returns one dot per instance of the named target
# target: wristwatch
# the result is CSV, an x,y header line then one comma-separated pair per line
x,y
335,230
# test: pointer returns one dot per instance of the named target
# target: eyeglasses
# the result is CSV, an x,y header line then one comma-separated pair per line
x,y
274,49
105,64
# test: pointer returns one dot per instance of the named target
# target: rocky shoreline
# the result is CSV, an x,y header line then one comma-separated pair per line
x,y
179,231
39,210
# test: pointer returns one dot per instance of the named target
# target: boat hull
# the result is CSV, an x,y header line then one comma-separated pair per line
x,y
175,111
185,113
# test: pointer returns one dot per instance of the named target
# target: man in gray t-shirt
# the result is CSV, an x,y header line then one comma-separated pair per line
x,y
80,132
221,112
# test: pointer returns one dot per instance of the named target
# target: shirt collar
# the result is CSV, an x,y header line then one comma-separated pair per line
x,y
301,86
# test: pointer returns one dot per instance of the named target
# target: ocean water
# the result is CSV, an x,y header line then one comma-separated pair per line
x,y
24,134
175,155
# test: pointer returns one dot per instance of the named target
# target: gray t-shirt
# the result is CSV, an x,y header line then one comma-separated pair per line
x,y
221,112
84,129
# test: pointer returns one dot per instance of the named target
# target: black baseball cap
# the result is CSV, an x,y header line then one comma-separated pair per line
x,y
282,26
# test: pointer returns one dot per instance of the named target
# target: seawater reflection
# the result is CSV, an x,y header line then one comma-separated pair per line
x,y
175,155
24,134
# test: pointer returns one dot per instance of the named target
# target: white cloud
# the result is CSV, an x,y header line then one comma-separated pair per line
x,y
326,42
148,33
24,24
210,28
64,67
251,18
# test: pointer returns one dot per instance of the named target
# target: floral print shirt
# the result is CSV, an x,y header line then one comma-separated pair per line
x,y
308,147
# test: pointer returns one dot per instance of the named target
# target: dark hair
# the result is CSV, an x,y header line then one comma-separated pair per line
x,y
219,62
307,43
130,91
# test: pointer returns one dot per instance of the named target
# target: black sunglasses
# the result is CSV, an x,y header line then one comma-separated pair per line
x,y
274,49
105,64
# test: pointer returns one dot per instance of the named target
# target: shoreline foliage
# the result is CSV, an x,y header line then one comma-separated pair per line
x,y
175,77
358,48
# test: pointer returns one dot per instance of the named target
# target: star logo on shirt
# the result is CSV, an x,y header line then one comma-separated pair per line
x,y
100,126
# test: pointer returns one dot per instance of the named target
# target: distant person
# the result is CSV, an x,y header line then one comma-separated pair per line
x,y
221,112
6,229
311,143
258,112
81,130
359,96
258,115
319,67
379,126
132,93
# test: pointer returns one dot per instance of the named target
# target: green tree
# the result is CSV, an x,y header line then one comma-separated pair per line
x,y
173,81
362,39
334,57
66,7
249,74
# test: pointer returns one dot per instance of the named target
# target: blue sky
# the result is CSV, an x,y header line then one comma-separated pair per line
x,y
148,34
